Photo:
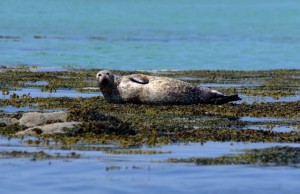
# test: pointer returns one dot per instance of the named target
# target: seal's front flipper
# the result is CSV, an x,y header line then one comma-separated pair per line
x,y
139,78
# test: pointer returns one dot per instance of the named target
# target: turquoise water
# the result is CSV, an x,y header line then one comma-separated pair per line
x,y
139,35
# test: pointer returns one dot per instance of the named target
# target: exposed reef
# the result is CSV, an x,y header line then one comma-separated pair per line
x,y
275,156
131,124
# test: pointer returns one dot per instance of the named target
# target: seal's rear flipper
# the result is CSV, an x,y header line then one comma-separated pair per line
x,y
226,99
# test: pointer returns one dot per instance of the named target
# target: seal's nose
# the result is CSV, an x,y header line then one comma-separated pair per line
x,y
99,77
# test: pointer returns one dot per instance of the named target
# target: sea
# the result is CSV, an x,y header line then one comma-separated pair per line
x,y
148,35
151,34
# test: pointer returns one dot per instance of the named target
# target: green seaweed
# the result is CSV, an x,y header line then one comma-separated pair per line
x,y
37,155
126,151
135,125
10,130
275,156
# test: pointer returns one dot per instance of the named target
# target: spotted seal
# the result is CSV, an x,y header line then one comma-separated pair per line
x,y
139,88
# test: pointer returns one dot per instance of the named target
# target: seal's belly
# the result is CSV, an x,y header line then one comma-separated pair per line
x,y
165,91
157,91
166,95
130,92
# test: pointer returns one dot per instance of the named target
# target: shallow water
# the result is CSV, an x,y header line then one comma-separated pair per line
x,y
92,177
37,93
260,99
12,109
129,35
273,128
113,173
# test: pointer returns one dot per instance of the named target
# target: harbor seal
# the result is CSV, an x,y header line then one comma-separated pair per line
x,y
144,89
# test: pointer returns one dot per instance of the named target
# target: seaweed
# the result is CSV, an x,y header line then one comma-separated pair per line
x,y
135,125
274,156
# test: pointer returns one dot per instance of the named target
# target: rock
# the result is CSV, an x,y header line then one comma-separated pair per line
x,y
5,121
54,128
14,121
99,123
32,119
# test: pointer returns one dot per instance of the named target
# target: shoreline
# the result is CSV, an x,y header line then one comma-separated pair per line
x,y
46,68
269,111
274,84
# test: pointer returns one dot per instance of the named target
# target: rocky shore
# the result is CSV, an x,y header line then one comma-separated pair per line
x,y
270,109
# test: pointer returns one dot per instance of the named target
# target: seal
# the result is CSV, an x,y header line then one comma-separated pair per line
x,y
144,89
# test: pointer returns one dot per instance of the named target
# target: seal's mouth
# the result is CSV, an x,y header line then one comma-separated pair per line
x,y
102,80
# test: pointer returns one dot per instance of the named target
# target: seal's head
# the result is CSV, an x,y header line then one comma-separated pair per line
x,y
104,77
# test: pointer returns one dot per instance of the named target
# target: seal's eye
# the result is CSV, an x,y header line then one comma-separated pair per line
x,y
107,73
99,75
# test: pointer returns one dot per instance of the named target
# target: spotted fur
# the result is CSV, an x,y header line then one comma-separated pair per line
x,y
138,88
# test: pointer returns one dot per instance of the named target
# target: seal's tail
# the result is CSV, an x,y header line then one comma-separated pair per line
x,y
225,99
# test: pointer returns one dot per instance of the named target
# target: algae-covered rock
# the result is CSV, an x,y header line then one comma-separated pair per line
x,y
32,119
55,128
5,121
274,156
98,123
133,124
77,122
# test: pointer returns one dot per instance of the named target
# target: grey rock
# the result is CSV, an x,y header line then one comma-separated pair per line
x,y
14,121
54,128
5,121
32,119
